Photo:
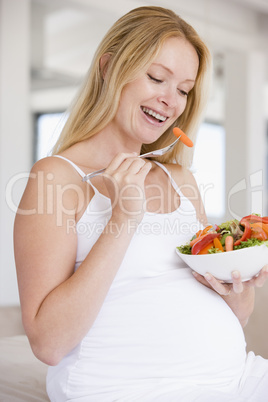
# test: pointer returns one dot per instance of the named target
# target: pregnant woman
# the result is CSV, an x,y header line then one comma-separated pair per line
x,y
105,300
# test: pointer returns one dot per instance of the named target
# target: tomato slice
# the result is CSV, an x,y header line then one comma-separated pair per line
x,y
264,226
258,232
255,218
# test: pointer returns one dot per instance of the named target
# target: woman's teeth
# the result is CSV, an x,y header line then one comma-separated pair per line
x,y
154,114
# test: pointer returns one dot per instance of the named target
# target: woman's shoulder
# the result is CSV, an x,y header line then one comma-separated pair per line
x,y
49,163
52,184
55,175
54,169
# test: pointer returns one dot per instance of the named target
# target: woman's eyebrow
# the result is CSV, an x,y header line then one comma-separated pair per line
x,y
170,71
163,66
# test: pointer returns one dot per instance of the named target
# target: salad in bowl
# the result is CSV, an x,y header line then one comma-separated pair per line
x,y
233,245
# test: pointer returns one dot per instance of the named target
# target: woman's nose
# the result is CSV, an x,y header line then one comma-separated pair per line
x,y
169,98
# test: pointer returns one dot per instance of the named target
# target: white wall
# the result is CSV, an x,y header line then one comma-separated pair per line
x,y
228,28
15,131
246,137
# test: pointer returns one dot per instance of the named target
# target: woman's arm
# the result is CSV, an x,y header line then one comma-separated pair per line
x,y
60,305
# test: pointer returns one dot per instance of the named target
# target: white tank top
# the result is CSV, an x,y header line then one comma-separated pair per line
x,y
158,325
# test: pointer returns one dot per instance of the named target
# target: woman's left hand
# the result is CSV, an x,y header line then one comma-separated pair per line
x,y
238,295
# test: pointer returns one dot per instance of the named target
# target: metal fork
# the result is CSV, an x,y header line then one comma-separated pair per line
x,y
157,152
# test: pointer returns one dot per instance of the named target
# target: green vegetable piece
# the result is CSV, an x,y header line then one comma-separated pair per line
x,y
186,249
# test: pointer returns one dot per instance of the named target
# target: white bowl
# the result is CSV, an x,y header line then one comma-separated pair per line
x,y
248,261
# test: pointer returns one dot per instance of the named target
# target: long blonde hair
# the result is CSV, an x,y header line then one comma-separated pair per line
x,y
132,43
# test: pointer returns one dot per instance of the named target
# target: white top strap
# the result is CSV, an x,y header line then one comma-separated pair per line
x,y
82,174
174,184
73,164
80,171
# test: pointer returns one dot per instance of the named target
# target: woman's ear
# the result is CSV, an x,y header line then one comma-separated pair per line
x,y
104,62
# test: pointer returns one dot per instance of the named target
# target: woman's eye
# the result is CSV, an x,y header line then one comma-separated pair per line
x,y
154,79
183,93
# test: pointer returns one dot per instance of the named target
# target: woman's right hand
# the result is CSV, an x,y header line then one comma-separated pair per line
x,y
124,179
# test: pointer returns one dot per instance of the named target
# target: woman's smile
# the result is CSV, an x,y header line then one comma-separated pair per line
x,y
153,115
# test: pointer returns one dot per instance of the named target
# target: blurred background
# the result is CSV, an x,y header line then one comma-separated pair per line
x,y
46,47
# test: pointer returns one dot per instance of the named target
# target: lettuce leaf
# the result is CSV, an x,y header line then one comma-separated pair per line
x,y
228,225
186,249
250,243
214,250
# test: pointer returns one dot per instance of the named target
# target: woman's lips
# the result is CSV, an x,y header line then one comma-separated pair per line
x,y
153,114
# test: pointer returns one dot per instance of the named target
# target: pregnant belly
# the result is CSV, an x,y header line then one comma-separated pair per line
x,y
165,328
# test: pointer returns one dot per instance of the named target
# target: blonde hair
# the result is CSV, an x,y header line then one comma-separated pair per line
x,y
132,43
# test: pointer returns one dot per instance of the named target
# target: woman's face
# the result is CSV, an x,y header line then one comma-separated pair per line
x,y
157,97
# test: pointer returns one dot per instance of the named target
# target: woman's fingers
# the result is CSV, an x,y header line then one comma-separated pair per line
x,y
210,282
145,170
118,160
128,163
201,279
222,288
126,169
124,179
132,165
124,160
238,286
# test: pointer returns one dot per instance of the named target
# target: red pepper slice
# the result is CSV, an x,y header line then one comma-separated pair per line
x,y
247,231
217,228
255,218
246,221
200,244
206,249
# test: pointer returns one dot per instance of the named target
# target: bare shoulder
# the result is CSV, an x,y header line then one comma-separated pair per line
x,y
56,168
185,179
54,184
